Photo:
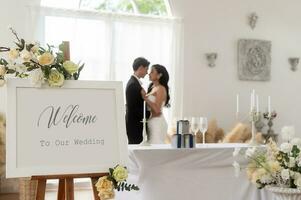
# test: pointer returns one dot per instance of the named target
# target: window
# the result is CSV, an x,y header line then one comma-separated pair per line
x,y
109,42
145,7
109,47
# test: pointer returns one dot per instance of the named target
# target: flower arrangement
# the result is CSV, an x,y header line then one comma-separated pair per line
x,y
115,180
272,165
39,64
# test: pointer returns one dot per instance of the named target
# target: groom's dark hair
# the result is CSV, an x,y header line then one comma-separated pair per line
x,y
140,61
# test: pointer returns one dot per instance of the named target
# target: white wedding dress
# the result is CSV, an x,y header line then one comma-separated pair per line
x,y
157,126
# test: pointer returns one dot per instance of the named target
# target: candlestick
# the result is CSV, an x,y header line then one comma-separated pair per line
x,y
269,105
257,103
145,141
251,102
144,106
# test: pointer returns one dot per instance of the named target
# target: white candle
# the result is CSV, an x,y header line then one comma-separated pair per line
x,y
237,103
251,104
257,103
269,105
144,106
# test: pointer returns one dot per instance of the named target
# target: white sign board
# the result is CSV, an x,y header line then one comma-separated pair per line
x,y
78,128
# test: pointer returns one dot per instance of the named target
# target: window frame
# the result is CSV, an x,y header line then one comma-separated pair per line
x,y
136,11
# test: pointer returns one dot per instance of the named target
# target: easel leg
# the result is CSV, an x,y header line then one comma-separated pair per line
x,y
61,190
93,182
41,189
69,188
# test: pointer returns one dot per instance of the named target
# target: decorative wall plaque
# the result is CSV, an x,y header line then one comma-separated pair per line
x,y
254,60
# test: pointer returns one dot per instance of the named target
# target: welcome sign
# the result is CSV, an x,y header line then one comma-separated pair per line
x,y
78,128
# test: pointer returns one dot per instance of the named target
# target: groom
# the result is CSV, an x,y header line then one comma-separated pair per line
x,y
134,101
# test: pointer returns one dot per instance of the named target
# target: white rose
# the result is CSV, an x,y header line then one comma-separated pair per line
x,y
21,68
285,174
266,178
55,78
287,133
299,163
70,67
296,175
296,141
286,147
46,59
36,77
297,182
25,55
2,70
120,173
13,54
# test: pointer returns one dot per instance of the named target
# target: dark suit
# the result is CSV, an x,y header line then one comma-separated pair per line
x,y
134,111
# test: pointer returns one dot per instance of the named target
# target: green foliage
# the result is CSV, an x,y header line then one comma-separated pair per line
x,y
125,186
3,62
148,7
123,6
29,46
111,170
20,44
154,7
295,151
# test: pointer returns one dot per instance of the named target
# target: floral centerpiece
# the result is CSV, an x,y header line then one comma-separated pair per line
x,y
39,64
115,180
275,166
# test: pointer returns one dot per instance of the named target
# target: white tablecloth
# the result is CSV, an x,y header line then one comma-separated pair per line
x,y
205,172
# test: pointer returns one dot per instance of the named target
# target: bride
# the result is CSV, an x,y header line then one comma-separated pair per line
x,y
156,98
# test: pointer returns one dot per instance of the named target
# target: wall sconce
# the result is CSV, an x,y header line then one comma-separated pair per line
x,y
211,58
294,63
253,17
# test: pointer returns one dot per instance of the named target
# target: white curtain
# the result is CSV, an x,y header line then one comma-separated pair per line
x,y
108,44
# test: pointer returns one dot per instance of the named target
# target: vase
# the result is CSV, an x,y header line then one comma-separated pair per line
x,y
281,193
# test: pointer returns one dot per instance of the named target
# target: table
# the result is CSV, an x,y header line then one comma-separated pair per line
x,y
205,172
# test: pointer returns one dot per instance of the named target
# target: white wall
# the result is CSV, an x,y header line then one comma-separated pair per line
x,y
216,26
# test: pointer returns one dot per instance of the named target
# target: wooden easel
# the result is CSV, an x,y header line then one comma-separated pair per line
x,y
66,185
